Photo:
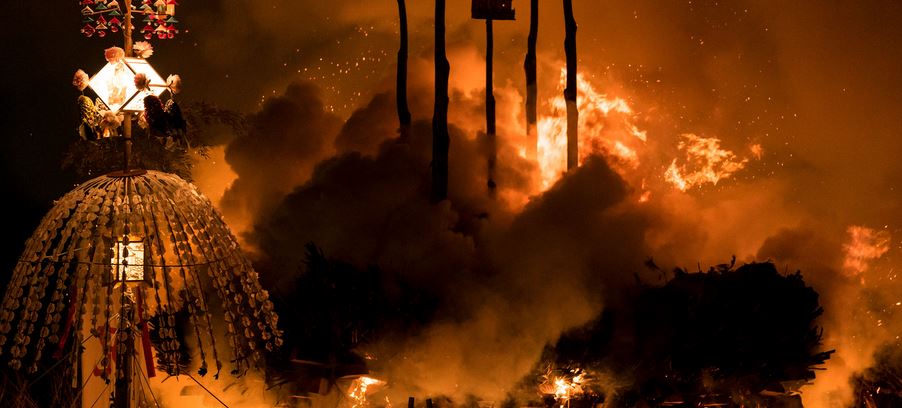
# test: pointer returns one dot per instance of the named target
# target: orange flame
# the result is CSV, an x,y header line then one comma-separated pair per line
x,y
564,387
705,162
358,389
606,126
865,244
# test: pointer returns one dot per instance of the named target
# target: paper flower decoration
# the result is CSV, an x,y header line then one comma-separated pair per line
x,y
174,82
142,49
109,122
114,54
80,80
141,82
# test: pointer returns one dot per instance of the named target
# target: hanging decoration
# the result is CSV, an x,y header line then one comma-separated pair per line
x,y
157,17
151,242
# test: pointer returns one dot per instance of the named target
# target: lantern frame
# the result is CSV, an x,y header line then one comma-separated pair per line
x,y
114,84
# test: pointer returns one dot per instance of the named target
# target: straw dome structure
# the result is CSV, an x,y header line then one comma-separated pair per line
x,y
149,241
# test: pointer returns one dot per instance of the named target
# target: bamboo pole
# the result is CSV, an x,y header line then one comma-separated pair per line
x,y
440,139
127,123
529,65
490,104
401,86
570,90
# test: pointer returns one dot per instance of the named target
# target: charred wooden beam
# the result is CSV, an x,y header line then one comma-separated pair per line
x,y
440,140
570,90
529,65
401,85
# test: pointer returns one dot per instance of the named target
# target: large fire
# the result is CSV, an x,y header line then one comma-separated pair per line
x,y
358,390
564,387
608,126
705,162
865,245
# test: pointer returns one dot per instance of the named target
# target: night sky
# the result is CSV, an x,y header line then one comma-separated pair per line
x,y
804,99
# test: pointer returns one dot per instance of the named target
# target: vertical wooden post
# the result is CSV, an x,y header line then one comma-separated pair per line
x,y
127,122
411,402
529,65
570,90
490,104
440,139
401,86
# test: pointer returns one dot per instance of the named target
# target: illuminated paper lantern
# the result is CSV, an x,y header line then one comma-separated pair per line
x,y
114,84
128,260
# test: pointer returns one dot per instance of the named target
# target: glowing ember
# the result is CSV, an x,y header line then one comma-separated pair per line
x,y
705,162
358,389
865,244
757,151
564,387
606,126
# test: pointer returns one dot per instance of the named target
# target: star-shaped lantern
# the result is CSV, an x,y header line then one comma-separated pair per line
x,y
115,84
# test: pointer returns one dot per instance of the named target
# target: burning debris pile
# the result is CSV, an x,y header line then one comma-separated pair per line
x,y
728,337
881,385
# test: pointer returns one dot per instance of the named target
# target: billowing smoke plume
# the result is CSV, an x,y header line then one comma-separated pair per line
x,y
806,111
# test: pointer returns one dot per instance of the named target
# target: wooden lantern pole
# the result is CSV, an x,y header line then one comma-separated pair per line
x,y
127,125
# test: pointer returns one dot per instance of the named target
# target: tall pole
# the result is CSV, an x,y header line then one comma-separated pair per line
x,y
490,104
125,338
440,139
401,85
570,90
529,65
127,123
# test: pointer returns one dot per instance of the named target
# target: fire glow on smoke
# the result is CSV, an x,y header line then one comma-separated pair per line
x,y
608,126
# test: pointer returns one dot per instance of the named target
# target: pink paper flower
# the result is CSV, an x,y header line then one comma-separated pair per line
x,y
80,80
142,49
141,82
114,54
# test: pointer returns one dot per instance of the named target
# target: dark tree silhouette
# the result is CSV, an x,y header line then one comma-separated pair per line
x,y
441,141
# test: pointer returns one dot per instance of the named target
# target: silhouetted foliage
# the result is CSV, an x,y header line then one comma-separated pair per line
x,y
726,335
168,144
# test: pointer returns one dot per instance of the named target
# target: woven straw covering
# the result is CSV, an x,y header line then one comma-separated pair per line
x,y
65,284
